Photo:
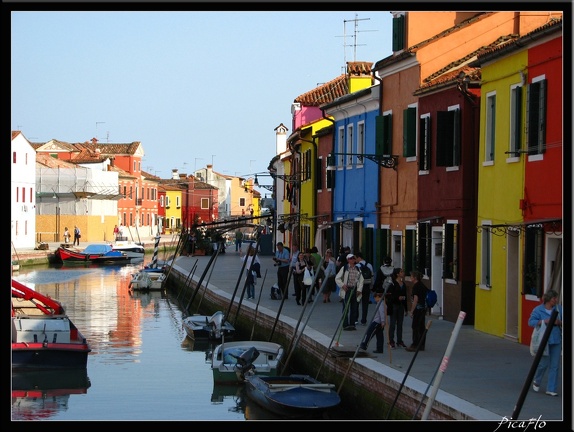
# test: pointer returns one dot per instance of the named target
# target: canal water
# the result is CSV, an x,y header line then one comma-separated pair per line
x,y
142,366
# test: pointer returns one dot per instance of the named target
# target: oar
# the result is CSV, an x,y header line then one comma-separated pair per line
x,y
295,341
283,297
205,270
337,330
357,350
257,305
429,323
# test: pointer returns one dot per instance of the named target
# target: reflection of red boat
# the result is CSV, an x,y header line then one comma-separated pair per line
x,y
94,253
43,337
37,395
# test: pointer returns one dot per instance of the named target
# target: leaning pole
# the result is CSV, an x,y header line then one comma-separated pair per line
x,y
155,251
443,364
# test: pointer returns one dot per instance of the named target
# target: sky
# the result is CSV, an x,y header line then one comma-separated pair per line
x,y
195,88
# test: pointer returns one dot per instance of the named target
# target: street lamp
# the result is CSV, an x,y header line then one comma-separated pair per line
x,y
386,161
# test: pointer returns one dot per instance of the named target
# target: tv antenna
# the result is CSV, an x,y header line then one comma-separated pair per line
x,y
354,36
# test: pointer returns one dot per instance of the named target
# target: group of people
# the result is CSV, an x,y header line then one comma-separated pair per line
x,y
77,235
345,276
387,290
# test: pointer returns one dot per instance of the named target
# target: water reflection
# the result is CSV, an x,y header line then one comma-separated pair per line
x,y
39,395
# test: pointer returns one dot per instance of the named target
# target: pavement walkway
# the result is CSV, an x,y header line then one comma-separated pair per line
x,y
484,375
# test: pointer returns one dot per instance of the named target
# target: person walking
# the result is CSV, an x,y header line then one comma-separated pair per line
x,y
398,302
350,281
252,270
418,312
298,273
77,235
550,362
116,232
329,273
377,325
282,259
238,240
366,299
66,235
294,259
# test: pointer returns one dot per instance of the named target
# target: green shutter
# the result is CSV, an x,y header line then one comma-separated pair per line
x,y
409,132
399,33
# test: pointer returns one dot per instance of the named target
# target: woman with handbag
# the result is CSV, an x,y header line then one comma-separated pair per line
x,y
299,274
540,314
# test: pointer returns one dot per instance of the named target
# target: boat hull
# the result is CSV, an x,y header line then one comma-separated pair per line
x,y
27,356
291,396
132,250
95,253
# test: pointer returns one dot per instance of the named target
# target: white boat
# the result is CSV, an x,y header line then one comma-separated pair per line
x,y
208,327
230,361
145,280
132,249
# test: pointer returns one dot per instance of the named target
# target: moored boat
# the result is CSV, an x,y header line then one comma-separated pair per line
x,y
132,249
295,396
43,336
213,327
93,253
144,280
230,361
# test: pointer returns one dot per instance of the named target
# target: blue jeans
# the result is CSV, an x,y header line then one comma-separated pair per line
x,y
250,290
552,363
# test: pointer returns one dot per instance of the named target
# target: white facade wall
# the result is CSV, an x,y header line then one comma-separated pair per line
x,y
23,180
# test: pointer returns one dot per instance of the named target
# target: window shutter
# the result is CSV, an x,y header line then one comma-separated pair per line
x,y
383,135
409,132
425,144
399,33
444,137
456,138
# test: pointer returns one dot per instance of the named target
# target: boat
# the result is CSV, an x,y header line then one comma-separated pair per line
x,y
93,253
212,327
230,361
37,395
295,396
132,249
145,280
43,336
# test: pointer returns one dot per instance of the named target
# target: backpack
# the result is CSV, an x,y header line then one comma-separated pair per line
x,y
367,274
430,299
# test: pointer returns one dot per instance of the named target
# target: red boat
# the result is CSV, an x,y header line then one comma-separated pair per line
x,y
43,336
94,253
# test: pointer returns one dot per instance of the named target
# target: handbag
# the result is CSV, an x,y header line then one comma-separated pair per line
x,y
307,277
537,335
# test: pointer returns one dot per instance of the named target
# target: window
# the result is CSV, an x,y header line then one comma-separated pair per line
x,y
448,138
204,203
536,115
410,132
515,121
13,157
383,139
351,160
167,202
242,202
450,258
486,256
178,201
425,143
360,141
161,201
125,191
533,255
399,32
319,173
341,148
490,131
424,247
131,192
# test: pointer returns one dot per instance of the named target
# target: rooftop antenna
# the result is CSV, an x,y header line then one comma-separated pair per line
x,y
354,36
